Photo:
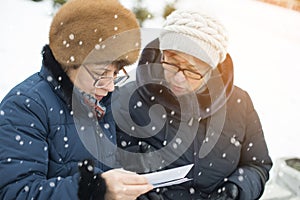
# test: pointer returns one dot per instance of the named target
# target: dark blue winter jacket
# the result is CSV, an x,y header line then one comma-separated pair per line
x,y
217,130
44,133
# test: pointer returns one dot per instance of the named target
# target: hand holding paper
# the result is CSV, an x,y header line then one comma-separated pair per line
x,y
169,177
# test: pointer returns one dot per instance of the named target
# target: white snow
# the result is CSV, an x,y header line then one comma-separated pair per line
x,y
264,45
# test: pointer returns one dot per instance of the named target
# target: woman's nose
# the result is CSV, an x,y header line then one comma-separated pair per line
x,y
110,87
179,77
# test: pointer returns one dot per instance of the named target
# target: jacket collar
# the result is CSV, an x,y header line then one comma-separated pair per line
x,y
58,79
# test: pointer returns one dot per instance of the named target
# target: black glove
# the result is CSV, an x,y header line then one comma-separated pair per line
x,y
90,185
228,191
144,162
175,192
152,195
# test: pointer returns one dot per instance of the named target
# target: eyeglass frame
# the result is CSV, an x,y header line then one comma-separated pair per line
x,y
116,82
179,69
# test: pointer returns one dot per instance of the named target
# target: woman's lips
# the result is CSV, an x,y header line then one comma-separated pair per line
x,y
177,88
98,97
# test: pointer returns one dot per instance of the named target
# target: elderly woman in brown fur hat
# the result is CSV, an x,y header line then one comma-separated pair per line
x,y
57,132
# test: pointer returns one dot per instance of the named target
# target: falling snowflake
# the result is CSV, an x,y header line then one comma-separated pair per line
x,y
192,190
241,171
52,184
240,178
97,46
18,137
174,145
178,140
165,142
26,188
90,115
90,168
72,58
123,143
49,78
139,104
106,126
71,36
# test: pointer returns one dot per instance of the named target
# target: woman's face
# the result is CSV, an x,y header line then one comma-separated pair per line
x,y
94,79
184,73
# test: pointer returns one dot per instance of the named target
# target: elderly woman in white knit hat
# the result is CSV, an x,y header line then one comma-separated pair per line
x,y
207,120
57,133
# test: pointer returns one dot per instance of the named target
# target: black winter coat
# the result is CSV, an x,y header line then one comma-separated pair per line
x,y
41,140
218,130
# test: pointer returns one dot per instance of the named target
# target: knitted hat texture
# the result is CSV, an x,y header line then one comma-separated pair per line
x,y
94,31
196,34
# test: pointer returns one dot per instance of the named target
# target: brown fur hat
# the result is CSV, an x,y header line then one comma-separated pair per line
x,y
94,31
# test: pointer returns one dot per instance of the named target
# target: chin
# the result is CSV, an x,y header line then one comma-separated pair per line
x,y
179,92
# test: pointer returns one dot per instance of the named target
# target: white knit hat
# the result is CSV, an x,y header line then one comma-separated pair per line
x,y
196,34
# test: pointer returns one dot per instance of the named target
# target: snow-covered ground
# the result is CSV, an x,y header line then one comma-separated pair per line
x,y
264,44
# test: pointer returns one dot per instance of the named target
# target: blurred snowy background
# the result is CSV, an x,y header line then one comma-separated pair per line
x,y
264,45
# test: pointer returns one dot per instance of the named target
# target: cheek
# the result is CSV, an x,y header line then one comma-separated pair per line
x,y
167,76
195,85
85,85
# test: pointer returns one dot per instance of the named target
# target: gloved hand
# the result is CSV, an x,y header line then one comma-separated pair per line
x,y
175,192
90,186
228,191
144,162
152,195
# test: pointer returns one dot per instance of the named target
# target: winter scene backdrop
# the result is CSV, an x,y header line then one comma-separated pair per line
x,y
264,42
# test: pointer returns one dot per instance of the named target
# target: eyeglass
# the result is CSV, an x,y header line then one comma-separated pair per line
x,y
104,81
187,72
